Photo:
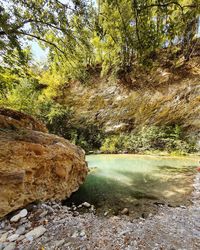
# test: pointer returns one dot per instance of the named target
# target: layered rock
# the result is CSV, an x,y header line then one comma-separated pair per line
x,y
35,165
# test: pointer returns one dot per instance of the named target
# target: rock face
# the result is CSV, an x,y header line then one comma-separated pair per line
x,y
35,165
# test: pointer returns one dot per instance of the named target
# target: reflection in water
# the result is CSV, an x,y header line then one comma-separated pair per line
x,y
136,182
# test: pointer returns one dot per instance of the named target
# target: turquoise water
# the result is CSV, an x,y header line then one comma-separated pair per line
x,y
136,182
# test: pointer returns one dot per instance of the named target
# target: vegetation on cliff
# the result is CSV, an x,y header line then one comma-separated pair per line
x,y
119,75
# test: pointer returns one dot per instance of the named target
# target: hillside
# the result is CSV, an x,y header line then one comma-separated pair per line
x,y
163,97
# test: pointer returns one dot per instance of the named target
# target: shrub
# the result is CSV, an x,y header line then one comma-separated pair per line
x,y
167,138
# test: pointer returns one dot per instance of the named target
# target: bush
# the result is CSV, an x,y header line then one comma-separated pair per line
x,y
168,138
112,144
22,97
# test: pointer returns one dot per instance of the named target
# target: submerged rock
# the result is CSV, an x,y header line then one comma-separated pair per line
x,y
35,165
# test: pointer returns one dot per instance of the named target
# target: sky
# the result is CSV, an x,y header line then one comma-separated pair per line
x,y
39,54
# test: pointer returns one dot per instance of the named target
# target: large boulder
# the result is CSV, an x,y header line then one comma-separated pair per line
x,y
35,165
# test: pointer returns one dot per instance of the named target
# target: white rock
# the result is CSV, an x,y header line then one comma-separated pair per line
x,y
3,224
4,237
10,246
82,233
59,243
20,230
21,237
15,218
75,234
23,213
13,237
36,232
86,204
125,211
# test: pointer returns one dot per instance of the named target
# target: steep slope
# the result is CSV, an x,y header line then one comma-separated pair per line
x,y
164,96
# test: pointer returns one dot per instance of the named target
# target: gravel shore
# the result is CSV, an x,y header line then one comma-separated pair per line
x,y
53,226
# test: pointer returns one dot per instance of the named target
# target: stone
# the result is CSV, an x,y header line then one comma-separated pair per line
x,y
13,237
75,213
86,204
4,237
2,224
10,246
20,230
82,234
59,243
23,213
34,166
15,218
36,232
92,209
43,214
21,237
75,234
125,211
12,119
1,246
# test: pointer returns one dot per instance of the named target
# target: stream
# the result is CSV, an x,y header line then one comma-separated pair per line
x,y
139,183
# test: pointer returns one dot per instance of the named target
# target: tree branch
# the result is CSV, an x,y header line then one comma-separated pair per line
x,y
40,39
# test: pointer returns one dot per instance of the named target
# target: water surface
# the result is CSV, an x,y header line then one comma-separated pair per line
x,y
139,183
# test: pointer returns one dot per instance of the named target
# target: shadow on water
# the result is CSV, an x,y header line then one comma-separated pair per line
x,y
139,191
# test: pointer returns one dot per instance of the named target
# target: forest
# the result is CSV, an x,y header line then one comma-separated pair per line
x,y
105,41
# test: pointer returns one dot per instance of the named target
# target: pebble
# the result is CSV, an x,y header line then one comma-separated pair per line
x,y
1,246
184,207
82,234
36,232
76,213
10,246
23,213
3,224
15,218
92,209
75,234
59,243
20,230
43,214
21,237
4,237
13,237
125,211
86,204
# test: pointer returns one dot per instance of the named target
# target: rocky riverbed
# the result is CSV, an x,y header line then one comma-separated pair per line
x,y
53,226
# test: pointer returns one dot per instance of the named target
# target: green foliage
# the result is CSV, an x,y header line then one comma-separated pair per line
x,y
169,138
113,144
61,121
115,34
23,96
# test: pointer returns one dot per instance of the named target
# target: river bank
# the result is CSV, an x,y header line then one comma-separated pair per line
x,y
53,226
